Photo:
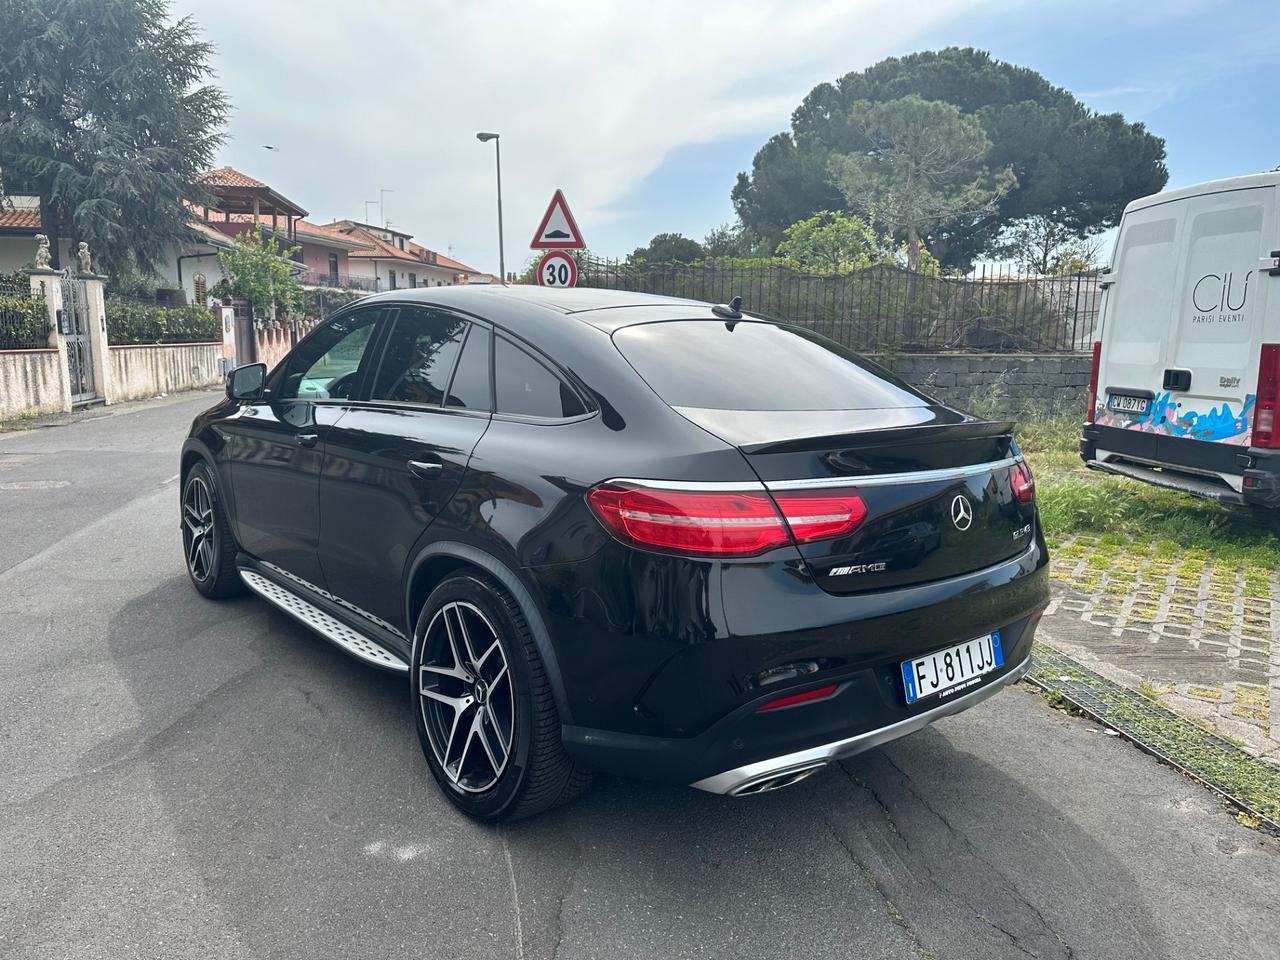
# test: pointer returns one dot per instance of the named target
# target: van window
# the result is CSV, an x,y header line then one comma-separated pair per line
x,y
749,365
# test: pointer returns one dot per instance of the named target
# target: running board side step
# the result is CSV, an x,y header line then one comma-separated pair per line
x,y
332,629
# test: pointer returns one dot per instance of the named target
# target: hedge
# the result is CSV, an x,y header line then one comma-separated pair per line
x,y
138,323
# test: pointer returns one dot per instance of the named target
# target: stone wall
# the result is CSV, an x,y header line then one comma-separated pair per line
x,y
147,371
992,384
32,382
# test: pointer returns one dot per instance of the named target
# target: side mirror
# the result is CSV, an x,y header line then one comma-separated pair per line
x,y
245,383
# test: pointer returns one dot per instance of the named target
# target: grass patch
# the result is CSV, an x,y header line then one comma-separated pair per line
x,y
1162,524
1206,755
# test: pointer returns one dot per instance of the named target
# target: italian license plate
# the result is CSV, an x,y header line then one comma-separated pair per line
x,y
952,669
1122,403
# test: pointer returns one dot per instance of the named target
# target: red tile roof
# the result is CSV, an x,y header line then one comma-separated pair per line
x,y
20,219
230,177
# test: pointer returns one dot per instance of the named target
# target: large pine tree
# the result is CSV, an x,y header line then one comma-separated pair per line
x,y
107,116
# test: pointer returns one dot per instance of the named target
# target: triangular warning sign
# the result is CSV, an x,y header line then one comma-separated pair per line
x,y
558,231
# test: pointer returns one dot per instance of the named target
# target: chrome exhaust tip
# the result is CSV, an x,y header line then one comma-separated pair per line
x,y
776,781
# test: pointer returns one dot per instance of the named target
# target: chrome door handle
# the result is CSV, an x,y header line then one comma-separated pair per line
x,y
424,469
308,439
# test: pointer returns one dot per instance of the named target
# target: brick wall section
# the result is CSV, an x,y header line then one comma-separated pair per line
x,y
1056,384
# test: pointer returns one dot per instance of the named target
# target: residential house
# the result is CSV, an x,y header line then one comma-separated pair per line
x,y
393,261
19,224
345,253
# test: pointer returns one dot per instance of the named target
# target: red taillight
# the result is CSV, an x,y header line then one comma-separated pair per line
x,y
1093,379
1024,484
821,516
1268,398
817,693
721,523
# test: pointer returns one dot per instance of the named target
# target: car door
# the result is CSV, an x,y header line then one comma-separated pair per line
x,y
277,444
394,459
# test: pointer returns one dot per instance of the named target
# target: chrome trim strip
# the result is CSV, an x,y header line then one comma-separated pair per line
x,y
895,479
709,486
741,779
871,480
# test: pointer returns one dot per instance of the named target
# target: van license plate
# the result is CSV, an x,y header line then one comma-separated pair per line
x,y
1125,404
951,669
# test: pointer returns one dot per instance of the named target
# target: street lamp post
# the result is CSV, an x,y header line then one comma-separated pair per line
x,y
497,156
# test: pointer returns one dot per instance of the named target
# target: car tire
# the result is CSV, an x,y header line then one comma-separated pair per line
x,y
208,545
490,730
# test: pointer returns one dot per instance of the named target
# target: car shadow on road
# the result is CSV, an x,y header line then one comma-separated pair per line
x,y
292,775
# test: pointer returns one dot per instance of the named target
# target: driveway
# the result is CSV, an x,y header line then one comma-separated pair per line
x,y
181,778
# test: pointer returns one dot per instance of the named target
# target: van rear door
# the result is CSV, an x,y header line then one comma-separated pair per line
x,y
1213,358
1183,321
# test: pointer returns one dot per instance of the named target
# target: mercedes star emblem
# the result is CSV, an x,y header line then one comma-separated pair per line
x,y
961,512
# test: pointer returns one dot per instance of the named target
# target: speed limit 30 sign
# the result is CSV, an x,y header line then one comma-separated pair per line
x,y
557,269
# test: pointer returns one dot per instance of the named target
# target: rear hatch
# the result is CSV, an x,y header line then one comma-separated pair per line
x,y
812,418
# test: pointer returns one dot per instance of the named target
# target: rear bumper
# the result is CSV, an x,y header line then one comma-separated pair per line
x,y
1189,466
786,769
747,748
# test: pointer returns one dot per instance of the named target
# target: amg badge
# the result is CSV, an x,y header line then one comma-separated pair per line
x,y
858,568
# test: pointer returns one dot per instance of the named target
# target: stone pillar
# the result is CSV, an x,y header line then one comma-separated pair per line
x,y
96,307
48,284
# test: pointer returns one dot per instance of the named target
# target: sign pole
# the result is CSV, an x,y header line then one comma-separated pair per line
x,y
502,259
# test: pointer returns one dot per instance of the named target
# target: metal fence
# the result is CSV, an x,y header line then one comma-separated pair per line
x,y
885,308
24,317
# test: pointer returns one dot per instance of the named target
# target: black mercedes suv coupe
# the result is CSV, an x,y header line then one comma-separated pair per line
x,y
603,531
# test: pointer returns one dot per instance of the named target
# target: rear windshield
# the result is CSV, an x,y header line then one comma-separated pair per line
x,y
749,365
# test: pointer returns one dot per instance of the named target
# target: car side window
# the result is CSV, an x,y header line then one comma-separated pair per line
x,y
470,387
527,387
418,358
330,363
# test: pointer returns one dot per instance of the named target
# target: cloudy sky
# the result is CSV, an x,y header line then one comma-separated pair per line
x,y
645,112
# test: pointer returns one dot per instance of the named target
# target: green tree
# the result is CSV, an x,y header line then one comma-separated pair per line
x,y
732,240
1046,245
833,241
667,248
925,167
105,115
1071,163
261,271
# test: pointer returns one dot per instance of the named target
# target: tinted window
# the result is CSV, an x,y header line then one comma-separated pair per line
x,y
756,366
328,363
528,388
419,356
470,387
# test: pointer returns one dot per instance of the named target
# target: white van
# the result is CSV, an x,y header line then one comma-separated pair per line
x,y
1186,370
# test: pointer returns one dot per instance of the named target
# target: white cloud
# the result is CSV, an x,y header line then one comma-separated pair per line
x,y
589,97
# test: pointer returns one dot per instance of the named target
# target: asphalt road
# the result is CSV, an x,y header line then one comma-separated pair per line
x,y
181,778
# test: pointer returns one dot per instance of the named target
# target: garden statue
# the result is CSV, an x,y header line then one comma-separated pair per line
x,y
82,254
43,259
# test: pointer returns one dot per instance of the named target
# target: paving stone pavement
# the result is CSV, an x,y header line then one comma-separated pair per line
x,y
1201,635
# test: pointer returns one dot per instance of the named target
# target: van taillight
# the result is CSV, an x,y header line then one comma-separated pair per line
x,y
722,523
1268,398
1093,379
